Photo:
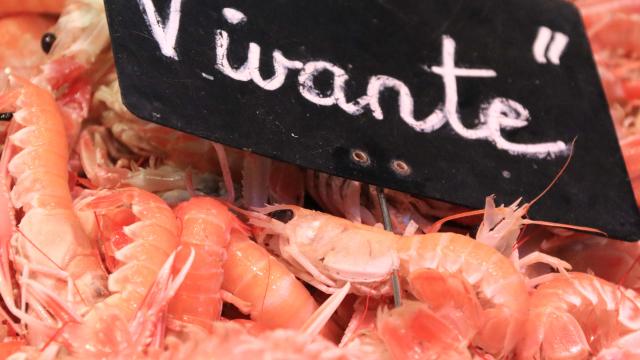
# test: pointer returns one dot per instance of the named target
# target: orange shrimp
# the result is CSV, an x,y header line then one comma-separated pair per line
x,y
31,6
275,298
577,314
50,248
20,47
206,227
142,232
82,34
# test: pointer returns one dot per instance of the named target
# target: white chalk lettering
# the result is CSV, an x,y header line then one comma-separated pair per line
x,y
496,115
233,16
165,35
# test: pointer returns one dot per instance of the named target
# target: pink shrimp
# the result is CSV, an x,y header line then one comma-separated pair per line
x,y
577,314
451,265
361,337
49,247
206,227
327,251
31,6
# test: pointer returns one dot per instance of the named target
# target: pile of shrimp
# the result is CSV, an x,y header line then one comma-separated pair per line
x,y
121,238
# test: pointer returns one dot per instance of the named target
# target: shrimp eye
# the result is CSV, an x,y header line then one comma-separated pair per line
x,y
6,116
47,41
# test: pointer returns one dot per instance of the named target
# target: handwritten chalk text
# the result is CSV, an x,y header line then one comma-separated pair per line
x,y
495,115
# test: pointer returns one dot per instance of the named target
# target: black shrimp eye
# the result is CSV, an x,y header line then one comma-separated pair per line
x,y
6,116
47,41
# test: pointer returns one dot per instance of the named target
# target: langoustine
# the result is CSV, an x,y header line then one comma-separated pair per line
x,y
327,251
35,180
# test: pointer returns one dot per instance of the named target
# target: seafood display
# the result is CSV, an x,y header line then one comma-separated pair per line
x,y
120,238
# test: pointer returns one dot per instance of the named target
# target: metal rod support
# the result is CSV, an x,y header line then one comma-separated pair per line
x,y
386,219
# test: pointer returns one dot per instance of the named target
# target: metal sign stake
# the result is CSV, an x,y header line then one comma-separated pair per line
x,y
395,280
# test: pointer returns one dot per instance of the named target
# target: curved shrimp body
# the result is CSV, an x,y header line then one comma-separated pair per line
x,y
206,227
577,314
277,299
142,232
445,263
50,237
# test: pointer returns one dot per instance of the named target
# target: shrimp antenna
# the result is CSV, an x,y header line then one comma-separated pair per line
x,y
558,175
624,276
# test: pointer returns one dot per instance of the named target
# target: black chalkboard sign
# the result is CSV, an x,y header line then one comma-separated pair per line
x,y
450,99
